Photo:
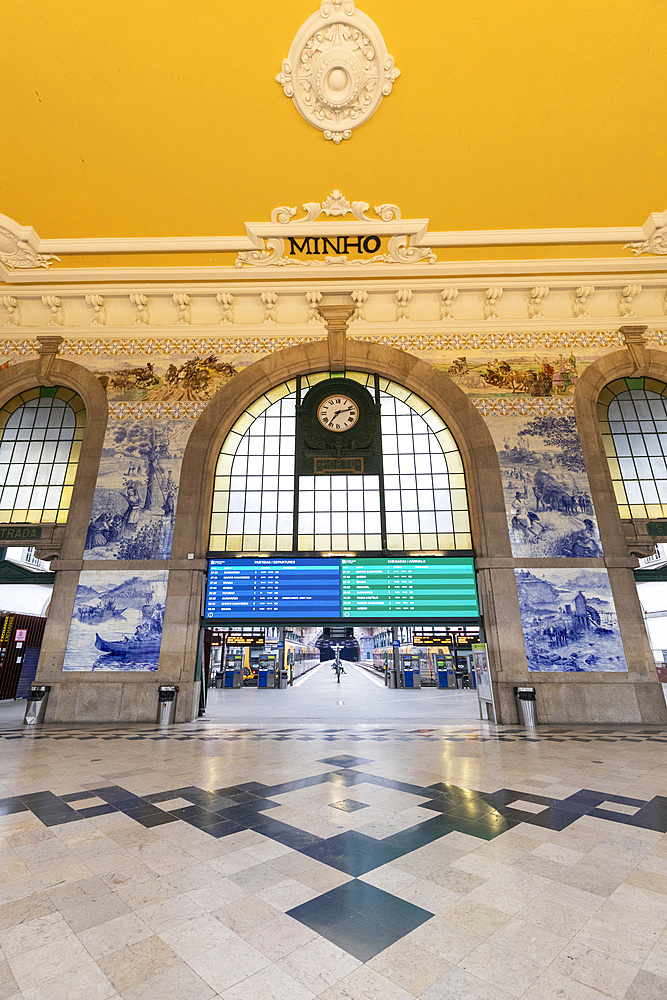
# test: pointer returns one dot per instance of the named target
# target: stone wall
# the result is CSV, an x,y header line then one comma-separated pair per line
x,y
555,571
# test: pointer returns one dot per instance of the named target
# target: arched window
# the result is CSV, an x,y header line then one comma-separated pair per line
x,y
633,421
419,503
41,431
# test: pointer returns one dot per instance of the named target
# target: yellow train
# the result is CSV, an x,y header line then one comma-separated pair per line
x,y
259,666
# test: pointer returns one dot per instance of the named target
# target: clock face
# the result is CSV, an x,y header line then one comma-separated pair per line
x,y
338,413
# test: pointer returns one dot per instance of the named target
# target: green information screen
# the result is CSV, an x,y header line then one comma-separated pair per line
x,y
408,588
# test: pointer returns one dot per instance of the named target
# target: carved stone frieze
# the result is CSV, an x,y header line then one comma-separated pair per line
x,y
270,303
536,296
142,305
226,302
491,298
403,297
448,297
359,296
13,307
55,304
625,299
96,302
581,295
312,301
338,69
184,309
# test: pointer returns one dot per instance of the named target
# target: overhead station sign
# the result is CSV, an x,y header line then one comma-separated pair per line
x,y
350,589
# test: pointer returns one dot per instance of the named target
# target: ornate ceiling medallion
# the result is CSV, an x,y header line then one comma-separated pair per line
x,y
338,69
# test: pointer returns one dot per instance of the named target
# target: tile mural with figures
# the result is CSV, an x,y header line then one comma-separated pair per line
x,y
165,379
137,489
569,620
504,374
117,621
547,494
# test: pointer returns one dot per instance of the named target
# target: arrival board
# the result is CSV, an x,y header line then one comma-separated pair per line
x,y
349,589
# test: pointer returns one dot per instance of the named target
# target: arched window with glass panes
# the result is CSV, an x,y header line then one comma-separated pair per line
x,y
633,421
41,431
418,503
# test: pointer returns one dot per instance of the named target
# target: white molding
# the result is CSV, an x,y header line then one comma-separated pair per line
x,y
147,244
99,276
25,258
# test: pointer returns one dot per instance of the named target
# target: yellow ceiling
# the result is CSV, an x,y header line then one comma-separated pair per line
x,y
150,118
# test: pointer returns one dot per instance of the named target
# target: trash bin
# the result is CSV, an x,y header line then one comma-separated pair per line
x,y
35,709
390,678
525,705
166,706
283,678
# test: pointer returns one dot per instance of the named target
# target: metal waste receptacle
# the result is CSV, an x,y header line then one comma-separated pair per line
x,y
525,705
166,705
35,709
283,678
390,678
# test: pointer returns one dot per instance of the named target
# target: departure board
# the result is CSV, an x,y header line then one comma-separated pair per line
x,y
349,589
273,588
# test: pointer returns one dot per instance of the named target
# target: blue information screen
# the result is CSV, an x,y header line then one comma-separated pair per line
x,y
269,588
348,589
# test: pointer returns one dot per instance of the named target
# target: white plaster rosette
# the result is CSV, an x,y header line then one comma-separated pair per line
x,y
338,69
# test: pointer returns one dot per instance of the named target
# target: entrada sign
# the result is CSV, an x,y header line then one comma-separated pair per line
x,y
20,534
313,245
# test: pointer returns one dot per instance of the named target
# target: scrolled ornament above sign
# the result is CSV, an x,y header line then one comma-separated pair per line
x,y
338,69
307,241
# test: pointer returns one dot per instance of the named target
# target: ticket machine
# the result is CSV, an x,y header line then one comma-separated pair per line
x,y
410,670
234,668
444,668
268,664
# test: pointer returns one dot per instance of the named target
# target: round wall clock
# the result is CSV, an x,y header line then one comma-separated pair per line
x,y
338,413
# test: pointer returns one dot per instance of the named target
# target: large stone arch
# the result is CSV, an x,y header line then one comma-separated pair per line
x,y
67,544
633,361
622,540
487,508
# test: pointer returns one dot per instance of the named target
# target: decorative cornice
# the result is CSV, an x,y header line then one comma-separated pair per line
x,y
338,69
23,255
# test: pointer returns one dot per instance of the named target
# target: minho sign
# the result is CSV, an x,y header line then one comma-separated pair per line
x,y
340,245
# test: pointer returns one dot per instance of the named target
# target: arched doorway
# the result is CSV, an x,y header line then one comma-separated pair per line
x,y
383,516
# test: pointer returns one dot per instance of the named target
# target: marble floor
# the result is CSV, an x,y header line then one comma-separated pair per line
x,y
359,697
344,862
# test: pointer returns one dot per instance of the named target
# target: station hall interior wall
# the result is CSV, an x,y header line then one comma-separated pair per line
x,y
161,414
